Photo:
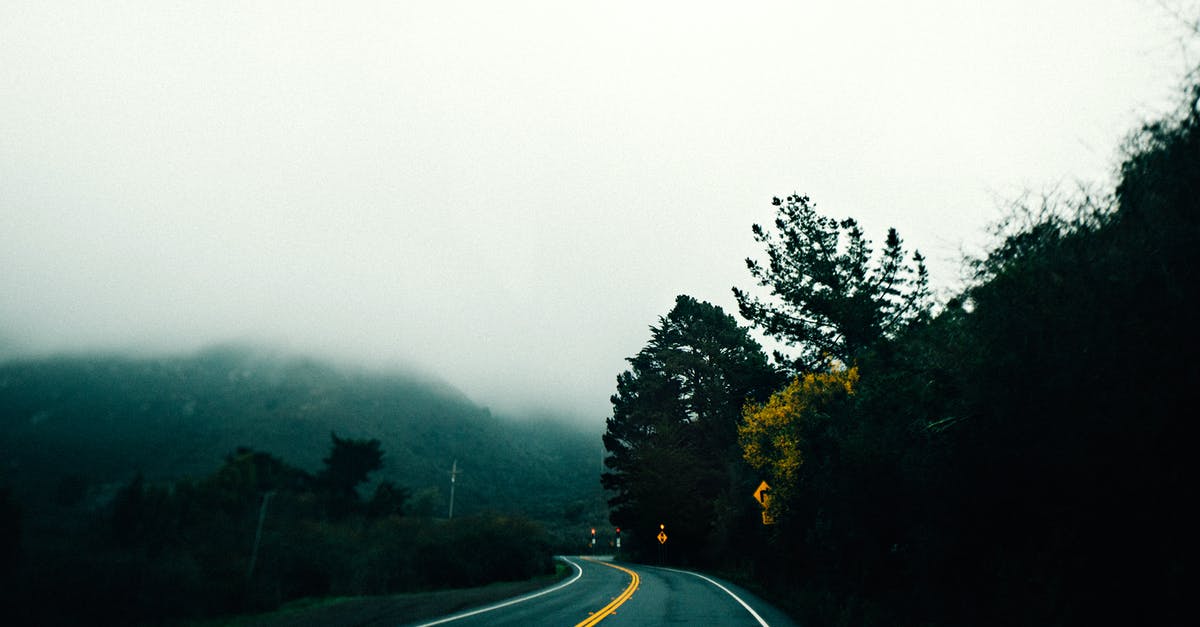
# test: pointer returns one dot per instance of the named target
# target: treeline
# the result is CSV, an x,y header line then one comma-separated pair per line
x,y
97,419
254,534
1019,455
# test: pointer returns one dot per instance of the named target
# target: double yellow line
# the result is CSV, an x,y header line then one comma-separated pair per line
x,y
615,603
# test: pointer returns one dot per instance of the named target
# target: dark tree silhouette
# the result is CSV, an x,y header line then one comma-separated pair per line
x,y
388,500
672,434
348,465
829,297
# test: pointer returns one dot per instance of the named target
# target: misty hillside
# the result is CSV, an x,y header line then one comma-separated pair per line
x,y
103,419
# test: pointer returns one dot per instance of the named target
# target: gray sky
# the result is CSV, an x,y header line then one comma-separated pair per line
x,y
508,193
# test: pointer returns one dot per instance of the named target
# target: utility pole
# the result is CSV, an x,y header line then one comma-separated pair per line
x,y
262,515
453,476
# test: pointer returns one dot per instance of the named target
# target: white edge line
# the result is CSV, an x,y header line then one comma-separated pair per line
x,y
578,574
727,591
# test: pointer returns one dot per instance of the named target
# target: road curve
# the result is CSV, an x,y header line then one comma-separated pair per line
x,y
613,594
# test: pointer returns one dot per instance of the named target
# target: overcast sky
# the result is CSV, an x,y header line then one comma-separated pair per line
x,y
507,194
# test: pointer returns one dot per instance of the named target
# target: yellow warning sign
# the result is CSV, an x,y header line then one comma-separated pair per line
x,y
763,496
662,537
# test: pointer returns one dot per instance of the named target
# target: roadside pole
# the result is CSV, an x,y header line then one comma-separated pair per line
x,y
453,477
662,544
262,515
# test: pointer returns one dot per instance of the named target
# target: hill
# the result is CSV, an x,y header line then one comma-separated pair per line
x,y
92,422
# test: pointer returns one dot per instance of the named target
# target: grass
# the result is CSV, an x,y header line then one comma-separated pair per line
x,y
384,610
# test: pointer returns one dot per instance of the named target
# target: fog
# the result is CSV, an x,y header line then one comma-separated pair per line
x,y
507,194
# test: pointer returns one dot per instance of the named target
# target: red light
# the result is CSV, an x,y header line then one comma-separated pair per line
x,y
618,530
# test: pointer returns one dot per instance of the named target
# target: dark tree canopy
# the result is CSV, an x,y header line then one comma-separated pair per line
x,y
829,297
389,500
349,463
673,428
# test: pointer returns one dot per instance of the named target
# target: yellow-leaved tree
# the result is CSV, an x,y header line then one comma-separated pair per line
x,y
771,434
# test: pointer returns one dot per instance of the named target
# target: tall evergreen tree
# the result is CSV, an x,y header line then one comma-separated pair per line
x,y
673,432
829,297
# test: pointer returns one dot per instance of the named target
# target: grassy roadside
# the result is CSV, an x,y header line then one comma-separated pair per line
x,y
384,610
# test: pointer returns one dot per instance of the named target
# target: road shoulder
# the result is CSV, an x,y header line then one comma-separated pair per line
x,y
387,610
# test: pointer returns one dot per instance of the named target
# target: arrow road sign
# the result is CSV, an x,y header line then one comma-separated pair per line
x,y
763,496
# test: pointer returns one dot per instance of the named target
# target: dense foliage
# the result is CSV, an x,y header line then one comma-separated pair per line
x,y
673,432
772,433
117,489
256,533
1021,458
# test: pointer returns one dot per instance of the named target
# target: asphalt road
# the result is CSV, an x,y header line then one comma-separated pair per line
x,y
614,594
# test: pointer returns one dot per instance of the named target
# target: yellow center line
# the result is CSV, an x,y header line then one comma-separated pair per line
x,y
615,603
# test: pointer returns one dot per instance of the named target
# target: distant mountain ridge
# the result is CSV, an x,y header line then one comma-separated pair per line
x,y
105,418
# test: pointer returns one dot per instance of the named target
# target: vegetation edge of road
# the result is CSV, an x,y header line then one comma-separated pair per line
x,y
389,610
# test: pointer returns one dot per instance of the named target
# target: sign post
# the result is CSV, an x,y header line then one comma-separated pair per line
x,y
662,543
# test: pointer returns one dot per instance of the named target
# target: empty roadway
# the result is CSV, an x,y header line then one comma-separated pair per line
x,y
614,594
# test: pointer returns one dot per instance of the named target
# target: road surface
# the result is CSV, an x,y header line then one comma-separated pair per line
x,y
616,594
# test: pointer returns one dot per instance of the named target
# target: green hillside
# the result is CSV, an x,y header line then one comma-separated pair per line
x,y
98,420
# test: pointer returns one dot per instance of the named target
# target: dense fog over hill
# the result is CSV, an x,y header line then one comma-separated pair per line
x,y
105,418
506,196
